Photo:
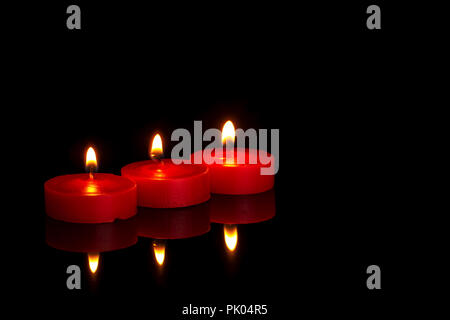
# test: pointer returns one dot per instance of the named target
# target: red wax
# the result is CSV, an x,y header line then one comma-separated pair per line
x,y
234,178
253,208
163,184
81,237
173,223
84,199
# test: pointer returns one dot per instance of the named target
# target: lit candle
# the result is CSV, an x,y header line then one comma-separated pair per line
x,y
163,184
230,176
90,197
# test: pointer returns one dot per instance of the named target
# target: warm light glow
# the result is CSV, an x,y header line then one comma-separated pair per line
x,y
159,249
228,132
231,236
93,261
91,159
156,148
91,187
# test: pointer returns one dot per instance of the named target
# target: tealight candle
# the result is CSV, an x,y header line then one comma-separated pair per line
x,y
90,197
163,184
228,176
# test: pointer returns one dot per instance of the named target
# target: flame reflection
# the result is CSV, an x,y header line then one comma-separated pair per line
x,y
159,249
231,236
93,261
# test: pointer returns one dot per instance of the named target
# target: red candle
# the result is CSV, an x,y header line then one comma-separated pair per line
x,y
163,184
90,197
230,177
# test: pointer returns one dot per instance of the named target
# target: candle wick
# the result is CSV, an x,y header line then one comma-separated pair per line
x,y
157,157
228,150
91,169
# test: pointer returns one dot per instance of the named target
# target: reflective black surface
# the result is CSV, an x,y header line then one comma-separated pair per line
x,y
192,270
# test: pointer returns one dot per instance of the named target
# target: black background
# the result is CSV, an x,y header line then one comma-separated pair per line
x,y
334,89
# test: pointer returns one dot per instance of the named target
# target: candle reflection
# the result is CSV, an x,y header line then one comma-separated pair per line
x,y
175,223
231,209
178,223
90,238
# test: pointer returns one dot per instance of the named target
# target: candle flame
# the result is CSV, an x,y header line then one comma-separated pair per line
x,y
156,149
228,132
93,261
231,236
91,159
159,249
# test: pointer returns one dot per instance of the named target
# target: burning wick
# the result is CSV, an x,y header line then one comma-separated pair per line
x,y
156,150
159,249
91,162
231,236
